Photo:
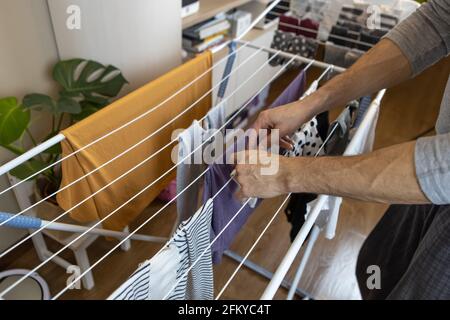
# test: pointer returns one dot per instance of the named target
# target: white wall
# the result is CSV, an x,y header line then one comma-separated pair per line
x,y
140,37
27,54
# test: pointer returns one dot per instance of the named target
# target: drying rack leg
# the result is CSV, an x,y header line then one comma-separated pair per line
x,y
312,240
265,273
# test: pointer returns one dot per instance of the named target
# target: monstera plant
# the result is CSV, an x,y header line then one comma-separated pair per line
x,y
85,87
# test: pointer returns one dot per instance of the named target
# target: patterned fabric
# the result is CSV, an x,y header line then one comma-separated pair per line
x,y
166,273
291,43
193,240
307,141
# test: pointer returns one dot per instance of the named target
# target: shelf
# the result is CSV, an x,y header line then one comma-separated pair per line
x,y
210,8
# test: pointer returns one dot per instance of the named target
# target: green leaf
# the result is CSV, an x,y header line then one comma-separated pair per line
x,y
88,79
39,101
68,105
27,169
88,109
55,149
14,120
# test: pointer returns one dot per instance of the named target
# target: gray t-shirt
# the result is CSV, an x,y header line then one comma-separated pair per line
x,y
424,37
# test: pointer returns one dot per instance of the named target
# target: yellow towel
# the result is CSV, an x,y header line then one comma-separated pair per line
x,y
112,117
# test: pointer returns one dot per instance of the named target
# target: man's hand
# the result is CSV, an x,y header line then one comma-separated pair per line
x,y
261,174
287,119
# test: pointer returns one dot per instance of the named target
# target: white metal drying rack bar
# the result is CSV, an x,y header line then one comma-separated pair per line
x,y
283,268
244,260
315,63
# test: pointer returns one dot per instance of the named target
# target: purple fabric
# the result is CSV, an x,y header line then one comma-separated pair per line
x,y
225,204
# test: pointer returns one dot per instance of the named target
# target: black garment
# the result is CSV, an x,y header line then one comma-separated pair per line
x,y
339,131
411,246
341,32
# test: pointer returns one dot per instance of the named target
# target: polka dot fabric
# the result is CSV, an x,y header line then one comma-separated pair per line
x,y
307,141
291,43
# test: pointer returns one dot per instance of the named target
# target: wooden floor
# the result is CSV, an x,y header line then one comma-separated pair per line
x,y
408,112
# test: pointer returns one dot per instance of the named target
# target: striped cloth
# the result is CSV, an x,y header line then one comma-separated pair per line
x,y
166,272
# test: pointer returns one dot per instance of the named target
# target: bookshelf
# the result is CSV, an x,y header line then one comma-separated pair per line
x,y
210,8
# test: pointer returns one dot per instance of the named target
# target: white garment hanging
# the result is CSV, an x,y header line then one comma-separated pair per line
x,y
156,278
189,169
153,279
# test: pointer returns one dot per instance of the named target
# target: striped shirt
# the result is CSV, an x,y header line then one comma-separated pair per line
x,y
167,270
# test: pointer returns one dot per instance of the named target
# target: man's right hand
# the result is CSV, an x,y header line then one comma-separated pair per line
x,y
287,119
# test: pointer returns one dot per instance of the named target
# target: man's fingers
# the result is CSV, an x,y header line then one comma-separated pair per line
x,y
286,143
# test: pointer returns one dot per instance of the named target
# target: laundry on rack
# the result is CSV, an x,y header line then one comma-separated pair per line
x,y
241,117
153,278
308,141
308,28
340,55
216,117
115,116
189,168
339,130
289,23
166,273
225,203
291,43
339,22
330,15
364,104
371,37
337,136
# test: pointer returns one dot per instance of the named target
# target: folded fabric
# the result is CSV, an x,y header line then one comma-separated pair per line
x,y
166,274
304,47
289,24
116,115
338,35
340,55
281,41
350,26
308,28
226,205
330,16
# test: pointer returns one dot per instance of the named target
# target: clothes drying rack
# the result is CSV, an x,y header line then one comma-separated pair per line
x,y
27,222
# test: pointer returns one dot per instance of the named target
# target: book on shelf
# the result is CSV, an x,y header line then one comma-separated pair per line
x,y
207,28
196,46
189,7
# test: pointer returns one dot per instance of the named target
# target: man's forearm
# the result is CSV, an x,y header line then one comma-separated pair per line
x,y
386,175
382,67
